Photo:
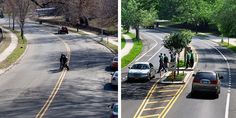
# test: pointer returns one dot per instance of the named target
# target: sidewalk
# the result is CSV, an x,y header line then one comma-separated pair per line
x,y
128,46
217,39
11,47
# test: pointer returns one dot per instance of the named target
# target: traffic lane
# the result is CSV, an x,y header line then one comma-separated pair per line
x,y
231,57
202,105
27,84
153,46
86,91
134,93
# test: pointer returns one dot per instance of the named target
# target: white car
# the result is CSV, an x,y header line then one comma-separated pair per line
x,y
114,79
141,70
114,110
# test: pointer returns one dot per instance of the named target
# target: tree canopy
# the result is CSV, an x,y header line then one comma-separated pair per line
x,y
225,18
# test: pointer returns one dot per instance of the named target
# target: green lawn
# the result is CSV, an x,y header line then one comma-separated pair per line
x,y
134,52
181,63
179,77
20,49
231,47
110,45
123,42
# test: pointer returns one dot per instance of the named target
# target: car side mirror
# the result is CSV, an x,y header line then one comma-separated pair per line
x,y
193,75
128,67
221,77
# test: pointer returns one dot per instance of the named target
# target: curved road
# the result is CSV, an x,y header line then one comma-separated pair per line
x,y
85,90
134,93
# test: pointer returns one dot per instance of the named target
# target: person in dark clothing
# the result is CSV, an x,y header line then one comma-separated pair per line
x,y
161,64
187,60
63,62
166,61
77,26
191,60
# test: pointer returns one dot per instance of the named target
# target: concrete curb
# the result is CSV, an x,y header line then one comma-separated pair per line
x,y
16,62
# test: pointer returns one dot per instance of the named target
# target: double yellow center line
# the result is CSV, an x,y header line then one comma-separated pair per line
x,y
46,105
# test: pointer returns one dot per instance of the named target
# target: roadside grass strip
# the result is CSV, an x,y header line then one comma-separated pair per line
x,y
5,41
230,46
113,48
123,42
134,52
16,54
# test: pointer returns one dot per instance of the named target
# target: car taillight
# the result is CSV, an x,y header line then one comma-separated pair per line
x,y
196,81
214,81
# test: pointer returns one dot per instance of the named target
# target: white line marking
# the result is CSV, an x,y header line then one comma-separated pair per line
x,y
227,106
148,50
229,88
155,53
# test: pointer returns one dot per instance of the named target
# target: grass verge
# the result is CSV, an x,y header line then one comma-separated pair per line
x,y
15,55
135,51
230,46
112,47
123,42
179,77
5,41
181,63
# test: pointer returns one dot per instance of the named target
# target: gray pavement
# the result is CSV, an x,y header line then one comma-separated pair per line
x,y
133,93
86,90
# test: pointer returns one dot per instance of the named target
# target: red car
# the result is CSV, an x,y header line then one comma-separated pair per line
x,y
63,30
114,63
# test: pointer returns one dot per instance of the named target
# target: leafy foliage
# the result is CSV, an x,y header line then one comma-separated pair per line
x,y
178,40
225,18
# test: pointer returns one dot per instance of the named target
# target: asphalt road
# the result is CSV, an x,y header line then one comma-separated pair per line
x,y
85,90
205,105
133,93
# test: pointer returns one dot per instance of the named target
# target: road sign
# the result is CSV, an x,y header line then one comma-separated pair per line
x,y
172,66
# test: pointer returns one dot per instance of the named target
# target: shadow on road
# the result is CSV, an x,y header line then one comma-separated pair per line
x,y
110,87
203,96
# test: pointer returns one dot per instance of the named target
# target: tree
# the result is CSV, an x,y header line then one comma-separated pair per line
x,y
133,15
11,11
22,7
225,18
175,42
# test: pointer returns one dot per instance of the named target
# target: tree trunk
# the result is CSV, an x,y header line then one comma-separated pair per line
x,y
9,20
178,64
137,32
13,21
22,33
228,41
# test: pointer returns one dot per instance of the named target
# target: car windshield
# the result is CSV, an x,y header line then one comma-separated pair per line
x,y
140,66
115,59
206,75
115,108
116,74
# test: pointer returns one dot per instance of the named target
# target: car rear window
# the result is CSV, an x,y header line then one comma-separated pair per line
x,y
140,66
205,75
115,59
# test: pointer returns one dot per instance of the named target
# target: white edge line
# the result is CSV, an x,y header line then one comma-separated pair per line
x,y
228,93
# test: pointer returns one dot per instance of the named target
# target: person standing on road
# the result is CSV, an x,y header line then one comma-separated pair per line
x,y
187,60
166,61
161,63
63,62
191,60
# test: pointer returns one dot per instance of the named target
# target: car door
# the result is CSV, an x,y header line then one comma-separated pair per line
x,y
152,70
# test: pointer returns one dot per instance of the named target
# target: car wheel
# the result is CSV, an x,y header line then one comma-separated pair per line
x,y
217,95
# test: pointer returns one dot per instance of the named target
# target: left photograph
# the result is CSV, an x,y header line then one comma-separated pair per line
x,y
59,58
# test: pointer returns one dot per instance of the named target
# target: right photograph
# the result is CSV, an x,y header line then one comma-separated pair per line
x,y
178,59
